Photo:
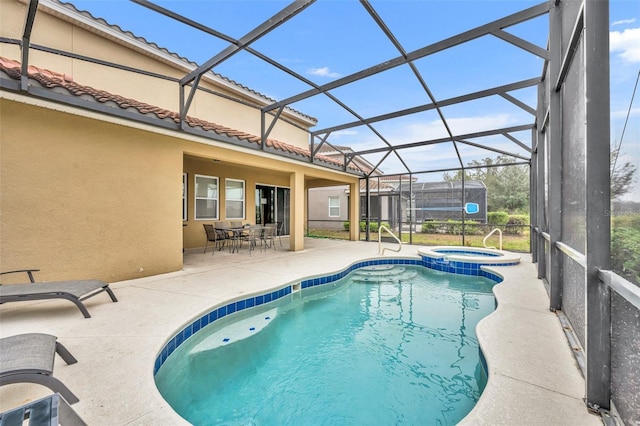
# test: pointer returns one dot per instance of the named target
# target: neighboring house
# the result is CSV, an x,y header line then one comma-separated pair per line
x,y
100,176
328,206
391,200
443,200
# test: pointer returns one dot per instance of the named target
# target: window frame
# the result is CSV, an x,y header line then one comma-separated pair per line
x,y
334,197
242,201
196,198
185,212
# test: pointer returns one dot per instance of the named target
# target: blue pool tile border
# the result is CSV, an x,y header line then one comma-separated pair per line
x,y
463,268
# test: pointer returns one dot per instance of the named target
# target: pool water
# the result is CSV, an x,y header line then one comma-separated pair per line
x,y
392,345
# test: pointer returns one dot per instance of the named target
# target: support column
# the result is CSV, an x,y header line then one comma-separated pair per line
x,y
598,235
297,209
354,211
533,195
541,200
554,136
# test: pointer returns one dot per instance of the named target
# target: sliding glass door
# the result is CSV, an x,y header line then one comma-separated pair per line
x,y
272,205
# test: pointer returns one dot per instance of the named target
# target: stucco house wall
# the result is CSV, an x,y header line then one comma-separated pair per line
x,y
319,217
82,198
85,37
89,194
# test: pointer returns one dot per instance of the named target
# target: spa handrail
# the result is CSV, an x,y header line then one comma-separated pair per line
x,y
381,251
484,242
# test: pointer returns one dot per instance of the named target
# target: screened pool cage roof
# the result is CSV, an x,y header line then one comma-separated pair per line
x,y
415,89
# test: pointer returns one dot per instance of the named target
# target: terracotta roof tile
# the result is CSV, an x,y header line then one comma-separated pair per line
x,y
374,185
54,80
74,10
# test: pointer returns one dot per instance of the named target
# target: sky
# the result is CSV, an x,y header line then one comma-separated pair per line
x,y
331,39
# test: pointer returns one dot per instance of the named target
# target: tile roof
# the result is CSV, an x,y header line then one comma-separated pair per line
x,y
375,185
53,80
326,147
72,9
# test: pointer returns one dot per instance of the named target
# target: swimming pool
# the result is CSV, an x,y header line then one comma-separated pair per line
x,y
380,344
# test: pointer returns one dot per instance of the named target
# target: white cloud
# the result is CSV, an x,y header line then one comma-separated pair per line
x,y
344,133
623,21
623,113
435,156
627,42
459,126
322,72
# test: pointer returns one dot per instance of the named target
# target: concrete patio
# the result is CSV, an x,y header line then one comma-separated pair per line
x,y
533,376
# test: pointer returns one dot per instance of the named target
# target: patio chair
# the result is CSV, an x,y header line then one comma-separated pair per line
x,y
74,291
52,409
216,236
252,235
29,358
279,231
268,235
223,226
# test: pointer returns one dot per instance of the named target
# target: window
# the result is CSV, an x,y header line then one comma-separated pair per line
x,y
206,190
334,206
234,199
184,197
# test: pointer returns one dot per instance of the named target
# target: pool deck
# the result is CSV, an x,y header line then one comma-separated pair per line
x,y
533,377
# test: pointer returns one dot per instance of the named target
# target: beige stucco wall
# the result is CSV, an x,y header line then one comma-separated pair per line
x,y
87,195
82,198
85,198
194,235
50,31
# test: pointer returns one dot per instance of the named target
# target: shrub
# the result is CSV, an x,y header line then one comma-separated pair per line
x,y
346,225
625,253
454,227
430,227
627,221
472,227
497,218
516,223
373,226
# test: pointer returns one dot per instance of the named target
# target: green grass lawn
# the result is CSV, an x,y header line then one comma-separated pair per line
x,y
518,243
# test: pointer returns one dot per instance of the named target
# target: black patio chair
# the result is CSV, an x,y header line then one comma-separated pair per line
x,y
216,236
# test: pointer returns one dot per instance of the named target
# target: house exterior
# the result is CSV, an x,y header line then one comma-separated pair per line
x,y
100,176
393,199
328,206
444,200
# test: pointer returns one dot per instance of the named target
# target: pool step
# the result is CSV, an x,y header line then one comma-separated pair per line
x,y
236,331
383,273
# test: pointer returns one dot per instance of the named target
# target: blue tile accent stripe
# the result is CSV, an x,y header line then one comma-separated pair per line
x,y
464,268
212,316
239,305
312,282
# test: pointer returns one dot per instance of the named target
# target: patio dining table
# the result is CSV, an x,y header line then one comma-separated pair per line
x,y
236,236
252,234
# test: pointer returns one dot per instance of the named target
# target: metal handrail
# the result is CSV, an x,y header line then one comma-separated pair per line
x,y
381,251
574,254
629,291
484,241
